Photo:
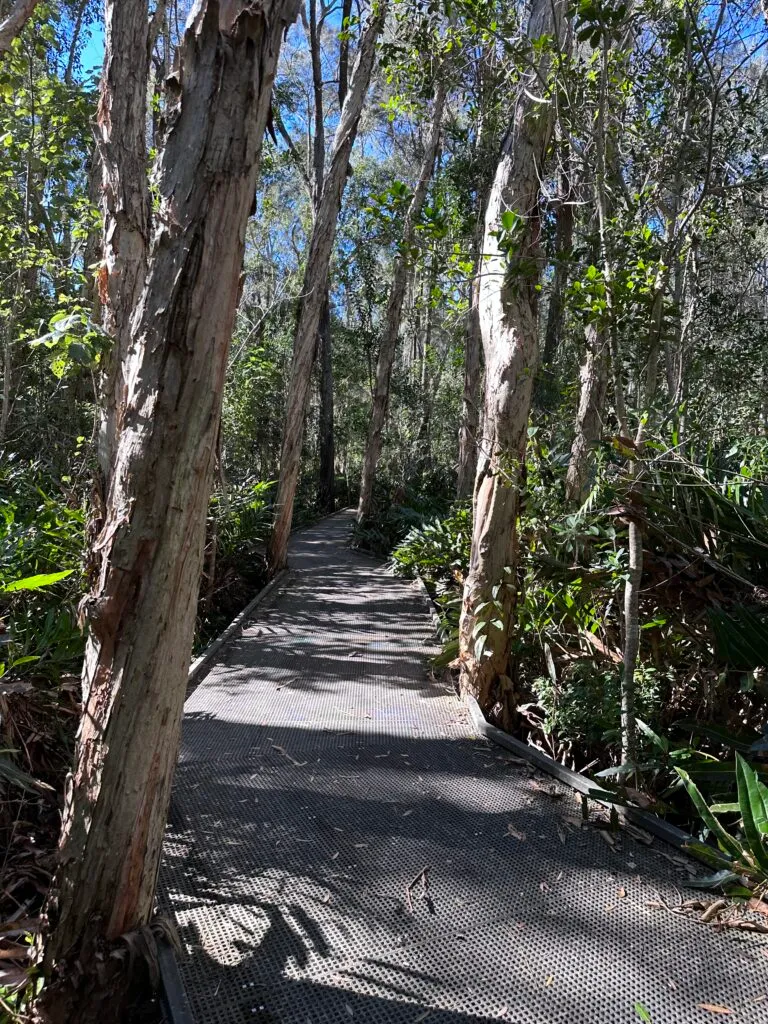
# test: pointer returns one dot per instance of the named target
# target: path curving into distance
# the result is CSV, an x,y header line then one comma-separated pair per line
x,y
322,771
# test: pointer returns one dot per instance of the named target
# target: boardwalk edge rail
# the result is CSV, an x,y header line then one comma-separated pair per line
x,y
200,666
580,783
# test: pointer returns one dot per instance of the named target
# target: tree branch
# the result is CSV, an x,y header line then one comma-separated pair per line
x,y
13,25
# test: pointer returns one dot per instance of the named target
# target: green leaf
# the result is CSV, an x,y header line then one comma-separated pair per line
x,y
715,732
509,220
35,582
643,1013
657,740
724,808
26,660
754,810
708,855
726,842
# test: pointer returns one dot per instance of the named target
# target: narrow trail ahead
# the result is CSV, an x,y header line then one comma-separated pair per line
x,y
321,771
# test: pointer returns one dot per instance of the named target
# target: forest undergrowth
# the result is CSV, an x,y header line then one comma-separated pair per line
x,y
701,677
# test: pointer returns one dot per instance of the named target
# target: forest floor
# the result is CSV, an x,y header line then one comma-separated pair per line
x,y
343,847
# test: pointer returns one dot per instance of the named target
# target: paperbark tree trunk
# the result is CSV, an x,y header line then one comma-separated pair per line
x,y
509,323
470,402
589,419
122,157
314,288
327,477
142,609
13,24
388,345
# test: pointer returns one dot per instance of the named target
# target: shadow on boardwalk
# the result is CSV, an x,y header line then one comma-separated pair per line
x,y
322,771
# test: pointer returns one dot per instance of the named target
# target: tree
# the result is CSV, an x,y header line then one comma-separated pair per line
x,y
13,24
391,329
163,407
508,319
314,289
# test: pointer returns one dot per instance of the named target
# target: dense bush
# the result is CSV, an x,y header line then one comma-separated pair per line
x,y
42,527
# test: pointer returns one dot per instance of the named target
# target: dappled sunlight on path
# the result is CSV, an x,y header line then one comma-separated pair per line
x,y
322,772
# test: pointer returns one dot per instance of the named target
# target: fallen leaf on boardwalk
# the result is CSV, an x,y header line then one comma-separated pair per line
x,y
550,979
713,1008
713,910
512,831
284,752
502,1011
621,893
422,1016
544,886
286,683
334,855
405,815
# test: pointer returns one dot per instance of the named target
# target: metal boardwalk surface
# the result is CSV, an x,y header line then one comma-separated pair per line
x,y
321,772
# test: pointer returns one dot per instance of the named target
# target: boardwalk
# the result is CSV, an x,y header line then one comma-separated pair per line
x,y
321,772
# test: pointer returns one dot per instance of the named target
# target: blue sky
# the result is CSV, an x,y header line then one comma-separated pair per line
x,y
93,51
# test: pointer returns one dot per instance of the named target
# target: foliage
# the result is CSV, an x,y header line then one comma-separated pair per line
x,y
394,515
742,860
438,551
41,546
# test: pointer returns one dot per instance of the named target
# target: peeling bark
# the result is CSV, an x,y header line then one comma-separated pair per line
x,y
13,25
473,343
388,345
314,288
141,612
589,419
121,141
509,323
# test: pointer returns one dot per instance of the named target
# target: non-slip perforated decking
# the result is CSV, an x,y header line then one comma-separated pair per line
x,y
321,772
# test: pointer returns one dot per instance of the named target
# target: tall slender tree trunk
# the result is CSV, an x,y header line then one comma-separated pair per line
x,y
315,287
589,419
563,246
346,11
324,341
394,312
470,399
142,609
509,323
5,409
327,479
